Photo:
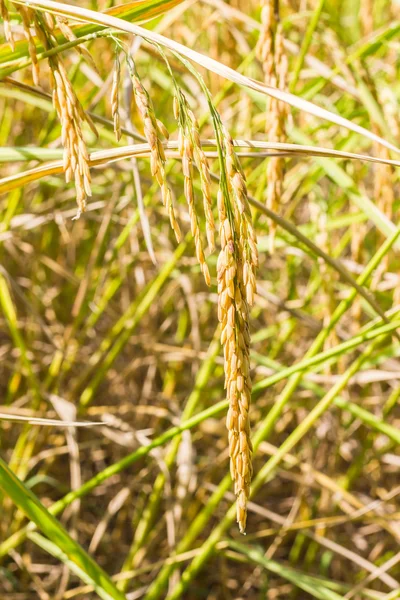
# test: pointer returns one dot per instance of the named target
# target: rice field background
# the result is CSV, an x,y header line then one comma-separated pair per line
x,y
199,299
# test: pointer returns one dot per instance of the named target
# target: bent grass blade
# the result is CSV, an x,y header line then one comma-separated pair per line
x,y
26,501
90,16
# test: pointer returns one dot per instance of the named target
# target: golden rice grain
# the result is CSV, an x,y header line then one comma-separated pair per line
x,y
115,98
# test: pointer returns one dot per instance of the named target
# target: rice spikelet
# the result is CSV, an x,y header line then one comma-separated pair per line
x,y
265,45
236,267
205,180
76,158
115,98
69,35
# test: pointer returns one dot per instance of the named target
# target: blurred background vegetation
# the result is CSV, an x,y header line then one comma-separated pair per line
x,y
100,324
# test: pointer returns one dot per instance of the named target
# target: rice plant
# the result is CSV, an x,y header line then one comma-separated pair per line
x,y
199,299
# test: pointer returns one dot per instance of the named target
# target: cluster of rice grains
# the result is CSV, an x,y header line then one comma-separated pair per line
x,y
236,263
65,101
236,267
271,53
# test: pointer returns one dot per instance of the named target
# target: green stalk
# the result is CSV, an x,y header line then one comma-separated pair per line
x,y
306,44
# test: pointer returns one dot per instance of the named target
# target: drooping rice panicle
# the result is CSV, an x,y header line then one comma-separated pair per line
x,y
153,130
71,115
202,166
236,280
191,151
236,267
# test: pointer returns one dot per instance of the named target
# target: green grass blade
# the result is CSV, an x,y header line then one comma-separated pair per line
x,y
137,11
26,500
83,574
312,585
306,44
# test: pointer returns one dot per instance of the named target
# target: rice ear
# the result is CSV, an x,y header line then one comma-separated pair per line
x,y
237,263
